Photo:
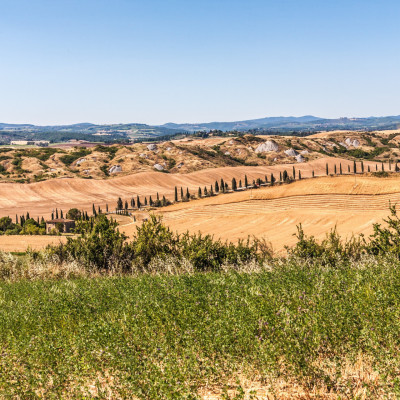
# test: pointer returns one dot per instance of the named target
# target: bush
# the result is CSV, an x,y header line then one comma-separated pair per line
x,y
102,246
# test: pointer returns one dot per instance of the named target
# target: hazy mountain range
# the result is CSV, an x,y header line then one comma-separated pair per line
x,y
134,130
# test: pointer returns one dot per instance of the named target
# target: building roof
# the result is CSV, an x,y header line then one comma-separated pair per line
x,y
62,220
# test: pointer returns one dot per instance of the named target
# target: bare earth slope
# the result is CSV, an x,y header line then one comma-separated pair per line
x,y
64,193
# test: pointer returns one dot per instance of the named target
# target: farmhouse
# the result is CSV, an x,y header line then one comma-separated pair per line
x,y
60,225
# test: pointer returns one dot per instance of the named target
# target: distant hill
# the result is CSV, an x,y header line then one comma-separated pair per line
x,y
84,131
304,123
117,132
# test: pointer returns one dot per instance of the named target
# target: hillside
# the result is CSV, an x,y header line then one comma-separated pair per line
x,y
191,154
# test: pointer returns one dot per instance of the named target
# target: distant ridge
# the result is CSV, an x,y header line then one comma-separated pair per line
x,y
307,123
304,123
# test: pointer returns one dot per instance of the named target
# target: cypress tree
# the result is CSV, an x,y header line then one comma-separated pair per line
x,y
222,186
362,167
138,202
27,215
187,194
56,213
182,198
335,169
285,176
294,173
354,167
158,197
266,179
272,179
93,210
216,187
299,175
383,168
211,191
61,214
119,203
16,218
280,176
390,165
258,181
37,220
313,174
340,169
107,207
376,167
226,187
240,183
246,183
327,169
99,210
234,184
164,201
369,170
348,168
52,216
199,193
145,201
42,221
150,201
176,194
205,191
126,205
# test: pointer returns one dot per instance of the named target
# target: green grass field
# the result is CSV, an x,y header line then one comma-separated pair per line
x,y
169,337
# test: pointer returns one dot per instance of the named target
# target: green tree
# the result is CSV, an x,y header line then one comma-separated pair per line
x,y
74,213
119,204
272,179
234,184
176,194
199,193
216,187
246,183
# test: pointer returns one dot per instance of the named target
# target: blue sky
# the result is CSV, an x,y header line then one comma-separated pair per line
x,y
153,61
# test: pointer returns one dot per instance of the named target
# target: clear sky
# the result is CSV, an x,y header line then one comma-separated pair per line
x,y
157,61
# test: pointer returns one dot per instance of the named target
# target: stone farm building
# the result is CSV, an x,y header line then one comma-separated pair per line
x,y
55,224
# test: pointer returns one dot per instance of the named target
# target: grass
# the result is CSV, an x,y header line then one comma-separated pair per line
x,y
172,336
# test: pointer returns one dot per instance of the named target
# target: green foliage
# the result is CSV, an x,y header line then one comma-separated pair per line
x,y
109,150
381,174
68,159
100,245
331,251
74,213
386,239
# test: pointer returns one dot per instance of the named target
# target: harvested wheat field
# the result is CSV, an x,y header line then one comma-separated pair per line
x,y
22,242
64,193
352,204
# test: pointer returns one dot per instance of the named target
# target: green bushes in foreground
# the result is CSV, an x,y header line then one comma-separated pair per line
x,y
102,246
